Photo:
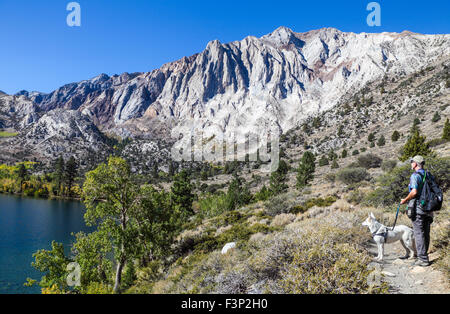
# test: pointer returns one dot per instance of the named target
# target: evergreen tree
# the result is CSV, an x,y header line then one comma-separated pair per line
x,y
155,171
381,141
334,165
182,192
344,154
395,136
317,123
323,161
171,169
415,125
446,132
306,169
278,178
234,197
59,173
70,174
263,194
436,117
134,221
371,137
416,145
22,174
332,155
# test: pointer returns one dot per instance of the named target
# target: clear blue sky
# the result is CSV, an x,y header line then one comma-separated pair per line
x,y
38,51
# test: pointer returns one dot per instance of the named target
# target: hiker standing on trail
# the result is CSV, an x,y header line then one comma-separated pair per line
x,y
421,220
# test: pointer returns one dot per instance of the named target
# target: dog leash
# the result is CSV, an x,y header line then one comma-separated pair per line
x,y
396,216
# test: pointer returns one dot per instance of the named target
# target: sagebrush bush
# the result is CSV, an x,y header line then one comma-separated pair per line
x,y
352,175
325,269
275,262
319,202
388,165
282,220
280,204
369,161
355,197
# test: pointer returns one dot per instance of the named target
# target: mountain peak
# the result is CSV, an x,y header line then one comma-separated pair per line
x,y
213,44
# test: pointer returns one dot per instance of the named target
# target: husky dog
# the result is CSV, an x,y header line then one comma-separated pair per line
x,y
381,235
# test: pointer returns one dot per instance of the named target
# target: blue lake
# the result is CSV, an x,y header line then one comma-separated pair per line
x,y
27,225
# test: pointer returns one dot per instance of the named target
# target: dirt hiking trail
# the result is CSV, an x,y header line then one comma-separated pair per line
x,y
404,278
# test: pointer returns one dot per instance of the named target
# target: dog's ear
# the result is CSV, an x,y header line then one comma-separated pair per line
x,y
372,216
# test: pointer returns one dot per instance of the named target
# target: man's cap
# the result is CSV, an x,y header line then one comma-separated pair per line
x,y
418,159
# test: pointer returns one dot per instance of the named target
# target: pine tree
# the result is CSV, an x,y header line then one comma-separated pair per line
x,y
415,125
323,161
263,194
70,174
22,174
416,145
446,133
182,192
59,173
332,155
171,169
334,165
436,117
233,194
278,178
155,171
344,154
371,137
395,136
306,169
381,141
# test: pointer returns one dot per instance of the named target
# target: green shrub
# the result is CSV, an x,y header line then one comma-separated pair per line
x,y
352,175
395,136
388,165
436,142
330,260
369,161
323,161
325,269
334,165
240,232
319,202
280,204
381,141
356,197
206,243
446,131
393,186
436,117
212,205
330,177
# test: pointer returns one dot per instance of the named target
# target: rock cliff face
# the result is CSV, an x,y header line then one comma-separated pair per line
x,y
251,85
17,112
59,132
279,79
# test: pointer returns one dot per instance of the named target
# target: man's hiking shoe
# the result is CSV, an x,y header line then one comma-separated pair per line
x,y
422,263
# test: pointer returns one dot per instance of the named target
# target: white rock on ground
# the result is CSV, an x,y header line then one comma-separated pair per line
x,y
228,247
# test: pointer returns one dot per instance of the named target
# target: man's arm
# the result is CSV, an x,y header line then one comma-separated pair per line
x,y
410,196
